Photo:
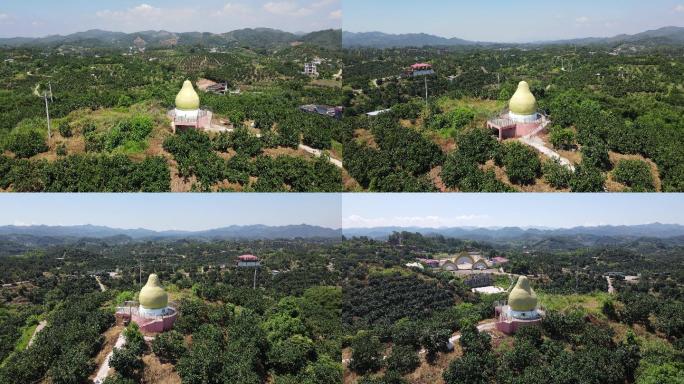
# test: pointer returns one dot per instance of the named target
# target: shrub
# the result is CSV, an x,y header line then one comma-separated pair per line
x,y
403,359
169,346
366,353
125,362
587,179
134,129
556,174
477,145
65,129
89,127
461,117
95,141
522,163
562,138
26,144
635,174
292,354
595,154
61,149
135,341
242,141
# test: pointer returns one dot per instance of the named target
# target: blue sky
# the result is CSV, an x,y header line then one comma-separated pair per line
x,y
206,211
43,17
170,211
512,21
502,210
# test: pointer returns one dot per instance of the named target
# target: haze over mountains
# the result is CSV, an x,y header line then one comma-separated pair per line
x,y
656,230
662,36
248,232
253,38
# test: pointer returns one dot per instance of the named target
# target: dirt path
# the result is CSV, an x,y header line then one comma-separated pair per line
x,y
102,287
103,372
319,153
611,289
39,328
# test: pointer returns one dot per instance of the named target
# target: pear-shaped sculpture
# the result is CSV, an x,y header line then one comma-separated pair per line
x,y
187,99
523,102
153,295
522,297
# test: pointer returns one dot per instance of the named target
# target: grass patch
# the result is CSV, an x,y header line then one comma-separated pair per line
x,y
337,148
131,147
590,303
482,108
26,334
502,282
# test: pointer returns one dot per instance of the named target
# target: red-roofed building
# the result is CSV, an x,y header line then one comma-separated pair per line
x,y
500,260
421,69
248,261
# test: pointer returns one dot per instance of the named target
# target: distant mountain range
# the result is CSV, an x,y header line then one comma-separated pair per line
x,y
250,232
662,36
252,38
657,230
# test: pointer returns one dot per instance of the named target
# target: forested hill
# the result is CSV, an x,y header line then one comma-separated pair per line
x,y
254,38
658,231
251,232
664,36
384,40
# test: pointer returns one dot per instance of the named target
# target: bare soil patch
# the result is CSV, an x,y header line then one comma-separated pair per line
x,y
158,372
364,136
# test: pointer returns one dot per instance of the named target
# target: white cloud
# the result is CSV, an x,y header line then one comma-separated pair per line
x,y
234,9
145,14
357,221
287,8
679,8
336,15
324,3
23,224
582,20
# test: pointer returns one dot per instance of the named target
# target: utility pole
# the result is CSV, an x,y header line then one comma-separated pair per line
x,y
255,277
47,112
427,105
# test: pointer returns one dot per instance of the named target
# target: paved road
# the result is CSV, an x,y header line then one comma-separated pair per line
x,y
482,328
538,144
39,328
103,372
319,153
